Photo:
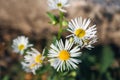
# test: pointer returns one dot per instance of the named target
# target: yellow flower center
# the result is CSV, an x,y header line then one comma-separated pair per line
x,y
38,59
21,47
80,33
64,55
32,65
59,5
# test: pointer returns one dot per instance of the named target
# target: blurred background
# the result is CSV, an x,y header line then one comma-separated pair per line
x,y
29,18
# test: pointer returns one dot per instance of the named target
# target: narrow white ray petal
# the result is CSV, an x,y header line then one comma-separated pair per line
x,y
84,21
53,46
87,23
73,65
75,49
35,51
75,60
62,10
69,35
77,54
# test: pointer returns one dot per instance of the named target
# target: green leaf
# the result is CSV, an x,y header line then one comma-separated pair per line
x,y
6,77
45,51
53,18
54,40
108,76
106,59
91,59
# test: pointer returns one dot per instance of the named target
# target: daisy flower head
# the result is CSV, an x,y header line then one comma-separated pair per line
x,y
20,44
88,43
64,57
32,61
81,31
58,4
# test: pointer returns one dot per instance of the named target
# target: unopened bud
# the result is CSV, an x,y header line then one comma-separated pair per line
x,y
54,22
73,74
71,39
64,23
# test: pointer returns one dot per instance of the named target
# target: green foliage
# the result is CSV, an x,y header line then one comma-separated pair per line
x,y
6,77
106,59
54,40
96,64
53,18
108,76
70,75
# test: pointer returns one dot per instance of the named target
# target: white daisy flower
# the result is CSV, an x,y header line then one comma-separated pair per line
x,y
82,32
32,61
63,57
88,43
58,4
20,44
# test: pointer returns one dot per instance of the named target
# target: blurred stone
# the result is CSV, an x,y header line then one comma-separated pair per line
x,y
28,76
115,64
44,76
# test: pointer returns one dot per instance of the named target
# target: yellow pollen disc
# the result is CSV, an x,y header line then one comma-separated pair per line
x,y
38,59
21,47
80,33
59,5
32,65
64,55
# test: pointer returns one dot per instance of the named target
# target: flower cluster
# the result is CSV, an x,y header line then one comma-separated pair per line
x,y
83,34
33,60
62,55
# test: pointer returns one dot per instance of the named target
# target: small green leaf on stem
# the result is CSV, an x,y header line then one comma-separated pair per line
x,y
53,18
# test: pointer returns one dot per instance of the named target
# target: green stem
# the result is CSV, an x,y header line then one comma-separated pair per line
x,y
60,23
